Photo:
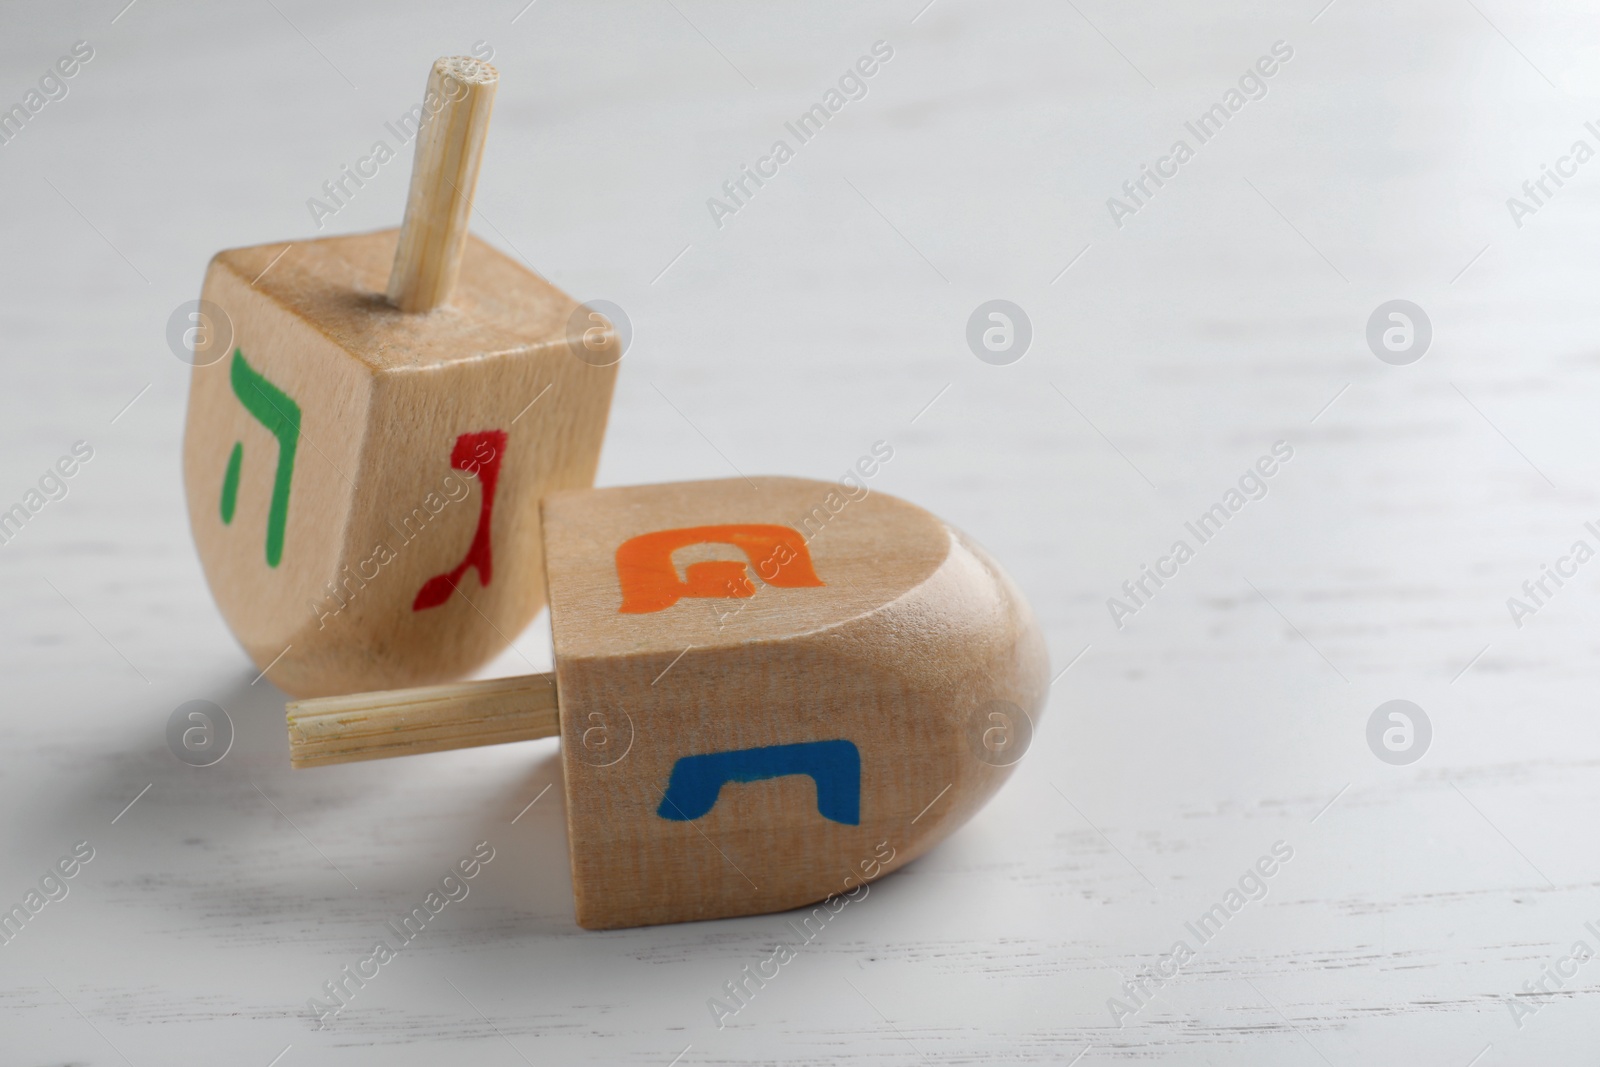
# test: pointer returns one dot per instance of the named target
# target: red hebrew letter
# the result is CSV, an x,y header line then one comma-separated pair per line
x,y
479,454
650,581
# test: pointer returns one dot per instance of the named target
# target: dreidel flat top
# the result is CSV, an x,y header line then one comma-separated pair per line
x,y
757,684
372,421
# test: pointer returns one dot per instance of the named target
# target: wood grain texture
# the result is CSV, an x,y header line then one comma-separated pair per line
x,y
376,506
444,177
408,722
912,633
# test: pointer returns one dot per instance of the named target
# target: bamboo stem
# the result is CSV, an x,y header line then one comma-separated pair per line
x,y
404,722
444,174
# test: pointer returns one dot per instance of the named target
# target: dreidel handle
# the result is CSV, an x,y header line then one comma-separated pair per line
x,y
444,175
405,722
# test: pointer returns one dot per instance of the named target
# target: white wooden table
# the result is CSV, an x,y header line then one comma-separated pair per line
x,y
1228,312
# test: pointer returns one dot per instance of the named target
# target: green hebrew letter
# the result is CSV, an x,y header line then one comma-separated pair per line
x,y
230,483
281,417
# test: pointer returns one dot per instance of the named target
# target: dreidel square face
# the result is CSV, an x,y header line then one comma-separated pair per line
x,y
772,691
364,483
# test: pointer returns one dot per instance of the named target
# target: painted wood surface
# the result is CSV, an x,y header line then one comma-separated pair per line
x,y
829,312
404,390
890,700
745,748
419,448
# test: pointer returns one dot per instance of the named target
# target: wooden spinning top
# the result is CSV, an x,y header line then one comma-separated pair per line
x,y
756,684
372,421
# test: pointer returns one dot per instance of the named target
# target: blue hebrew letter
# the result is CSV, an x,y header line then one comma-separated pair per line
x,y
835,767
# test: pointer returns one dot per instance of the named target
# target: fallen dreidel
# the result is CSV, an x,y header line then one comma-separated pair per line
x,y
760,683
348,394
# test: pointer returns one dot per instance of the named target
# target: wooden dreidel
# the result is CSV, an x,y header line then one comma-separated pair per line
x,y
372,421
770,691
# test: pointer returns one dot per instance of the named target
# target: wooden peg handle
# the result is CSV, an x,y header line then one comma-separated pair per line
x,y
444,175
404,722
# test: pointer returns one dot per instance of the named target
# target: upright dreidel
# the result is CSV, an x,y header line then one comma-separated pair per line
x,y
372,421
766,688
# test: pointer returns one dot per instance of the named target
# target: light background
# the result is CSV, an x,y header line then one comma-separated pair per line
x,y
1228,314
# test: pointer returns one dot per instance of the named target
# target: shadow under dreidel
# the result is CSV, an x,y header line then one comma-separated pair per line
x,y
308,838
264,840
526,890
175,838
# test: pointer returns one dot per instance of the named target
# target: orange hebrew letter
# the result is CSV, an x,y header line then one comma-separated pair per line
x,y
650,581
